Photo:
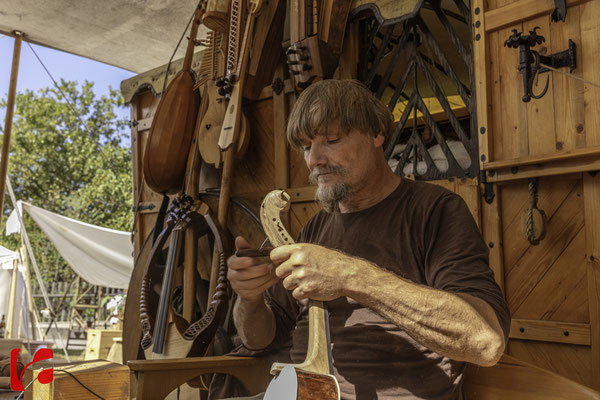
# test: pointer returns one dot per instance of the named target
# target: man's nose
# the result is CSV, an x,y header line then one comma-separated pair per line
x,y
315,156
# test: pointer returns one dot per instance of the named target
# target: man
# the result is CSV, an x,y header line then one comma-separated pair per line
x,y
401,264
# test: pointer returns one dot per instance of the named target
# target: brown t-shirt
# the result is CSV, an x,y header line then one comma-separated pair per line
x,y
420,232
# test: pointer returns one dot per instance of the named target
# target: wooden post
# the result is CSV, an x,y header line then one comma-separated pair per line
x,y
591,196
491,230
280,145
10,106
32,308
11,302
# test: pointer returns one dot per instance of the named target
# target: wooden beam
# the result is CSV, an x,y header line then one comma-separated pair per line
x,y
543,159
480,58
591,197
280,146
10,108
491,230
563,167
514,13
156,378
302,194
550,331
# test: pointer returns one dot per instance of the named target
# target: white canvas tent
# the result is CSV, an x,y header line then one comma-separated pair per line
x,y
101,256
12,272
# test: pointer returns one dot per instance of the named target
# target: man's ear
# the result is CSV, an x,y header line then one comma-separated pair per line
x,y
378,140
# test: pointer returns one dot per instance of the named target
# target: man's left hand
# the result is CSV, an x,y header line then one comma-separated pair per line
x,y
313,272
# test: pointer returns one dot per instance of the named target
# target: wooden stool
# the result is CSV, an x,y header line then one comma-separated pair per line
x,y
155,379
512,378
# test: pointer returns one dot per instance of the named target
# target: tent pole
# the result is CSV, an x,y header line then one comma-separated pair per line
x,y
34,262
32,309
10,106
11,302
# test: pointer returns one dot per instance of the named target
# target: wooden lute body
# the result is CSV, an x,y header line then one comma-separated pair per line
x,y
314,375
173,125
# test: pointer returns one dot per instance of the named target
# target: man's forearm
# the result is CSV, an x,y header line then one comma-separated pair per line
x,y
255,323
455,325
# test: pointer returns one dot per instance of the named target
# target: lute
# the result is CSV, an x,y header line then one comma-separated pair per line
x,y
314,376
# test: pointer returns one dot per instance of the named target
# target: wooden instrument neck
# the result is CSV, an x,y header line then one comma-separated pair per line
x,y
318,356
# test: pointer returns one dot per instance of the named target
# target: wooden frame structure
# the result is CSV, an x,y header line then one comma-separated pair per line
x,y
553,289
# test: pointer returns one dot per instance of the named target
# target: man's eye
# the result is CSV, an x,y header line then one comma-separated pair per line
x,y
306,148
333,141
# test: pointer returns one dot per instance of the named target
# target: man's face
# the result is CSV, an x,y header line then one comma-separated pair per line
x,y
340,163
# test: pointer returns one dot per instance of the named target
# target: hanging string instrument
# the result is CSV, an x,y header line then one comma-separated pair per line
x,y
216,16
167,332
313,378
178,337
231,130
172,128
316,35
209,129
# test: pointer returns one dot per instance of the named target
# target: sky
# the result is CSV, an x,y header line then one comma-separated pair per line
x,y
61,65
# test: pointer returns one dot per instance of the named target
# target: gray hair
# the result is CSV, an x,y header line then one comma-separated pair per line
x,y
347,103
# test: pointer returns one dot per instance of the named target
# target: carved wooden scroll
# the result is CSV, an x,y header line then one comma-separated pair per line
x,y
314,374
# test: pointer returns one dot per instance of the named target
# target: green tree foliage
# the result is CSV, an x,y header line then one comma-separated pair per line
x,y
74,160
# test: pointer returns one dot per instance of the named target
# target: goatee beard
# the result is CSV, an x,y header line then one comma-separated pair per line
x,y
329,196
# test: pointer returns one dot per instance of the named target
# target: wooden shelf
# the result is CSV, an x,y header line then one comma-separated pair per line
x,y
542,159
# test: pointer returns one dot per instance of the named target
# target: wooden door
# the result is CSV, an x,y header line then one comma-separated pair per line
x,y
552,288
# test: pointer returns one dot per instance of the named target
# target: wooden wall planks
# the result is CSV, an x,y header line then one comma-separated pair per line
x,y
570,361
143,106
590,60
565,118
591,188
569,116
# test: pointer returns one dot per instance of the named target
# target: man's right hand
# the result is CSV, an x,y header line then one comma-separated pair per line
x,y
249,277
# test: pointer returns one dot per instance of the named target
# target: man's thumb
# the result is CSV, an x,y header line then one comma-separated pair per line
x,y
241,243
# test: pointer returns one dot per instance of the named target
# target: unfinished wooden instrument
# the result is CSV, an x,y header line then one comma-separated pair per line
x,y
172,128
209,129
232,125
314,375
216,15
317,34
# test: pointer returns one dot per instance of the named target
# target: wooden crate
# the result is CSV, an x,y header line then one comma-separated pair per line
x,y
99,342
108,380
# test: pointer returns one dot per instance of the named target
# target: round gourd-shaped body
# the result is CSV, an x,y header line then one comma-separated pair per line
x,y
171,135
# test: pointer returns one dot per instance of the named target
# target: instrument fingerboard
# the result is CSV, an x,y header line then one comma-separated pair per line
x,y
236,30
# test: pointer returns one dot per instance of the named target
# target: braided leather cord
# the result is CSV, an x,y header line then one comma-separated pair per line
x,y
145,318
529,229
214,315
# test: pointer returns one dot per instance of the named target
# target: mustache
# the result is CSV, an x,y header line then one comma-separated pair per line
x,y
327,169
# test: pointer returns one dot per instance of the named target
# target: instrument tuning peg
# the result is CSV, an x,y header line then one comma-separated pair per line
x,y
294,72
292,62
290,51
306,67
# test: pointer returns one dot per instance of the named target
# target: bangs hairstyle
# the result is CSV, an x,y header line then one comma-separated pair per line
x,y
345,103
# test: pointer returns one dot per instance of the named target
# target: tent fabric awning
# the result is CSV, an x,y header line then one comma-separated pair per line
x,y
101,256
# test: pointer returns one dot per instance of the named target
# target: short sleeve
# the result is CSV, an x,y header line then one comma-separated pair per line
x,y
457,259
